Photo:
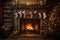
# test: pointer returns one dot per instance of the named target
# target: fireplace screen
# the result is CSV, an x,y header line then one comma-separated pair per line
x,y
29,25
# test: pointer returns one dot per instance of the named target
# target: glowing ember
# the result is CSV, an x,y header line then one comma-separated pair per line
x,y
29,27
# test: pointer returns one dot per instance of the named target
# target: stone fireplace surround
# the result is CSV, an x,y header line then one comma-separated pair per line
x,y
20,22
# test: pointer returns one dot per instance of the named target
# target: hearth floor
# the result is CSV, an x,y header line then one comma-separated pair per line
x,y
30,35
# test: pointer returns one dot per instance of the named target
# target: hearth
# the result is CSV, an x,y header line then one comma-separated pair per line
x,y
29,26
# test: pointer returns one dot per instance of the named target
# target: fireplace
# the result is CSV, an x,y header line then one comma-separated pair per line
x,y
29,26
27,21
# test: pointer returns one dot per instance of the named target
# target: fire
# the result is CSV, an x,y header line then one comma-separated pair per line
x,y
29,27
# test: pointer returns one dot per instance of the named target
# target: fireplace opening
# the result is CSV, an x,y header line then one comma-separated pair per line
x,y
29,26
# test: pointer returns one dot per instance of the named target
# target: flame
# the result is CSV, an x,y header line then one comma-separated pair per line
x,y
29,27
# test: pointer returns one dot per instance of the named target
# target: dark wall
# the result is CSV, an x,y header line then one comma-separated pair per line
x,y
1,14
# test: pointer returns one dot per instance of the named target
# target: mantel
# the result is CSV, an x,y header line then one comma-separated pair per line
x,y
28,7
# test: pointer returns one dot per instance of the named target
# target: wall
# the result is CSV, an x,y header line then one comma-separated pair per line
x,y
1,13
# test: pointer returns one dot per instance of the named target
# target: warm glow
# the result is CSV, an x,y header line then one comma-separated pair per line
x,y
22,2
36,27
29,27
28,3
22,27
